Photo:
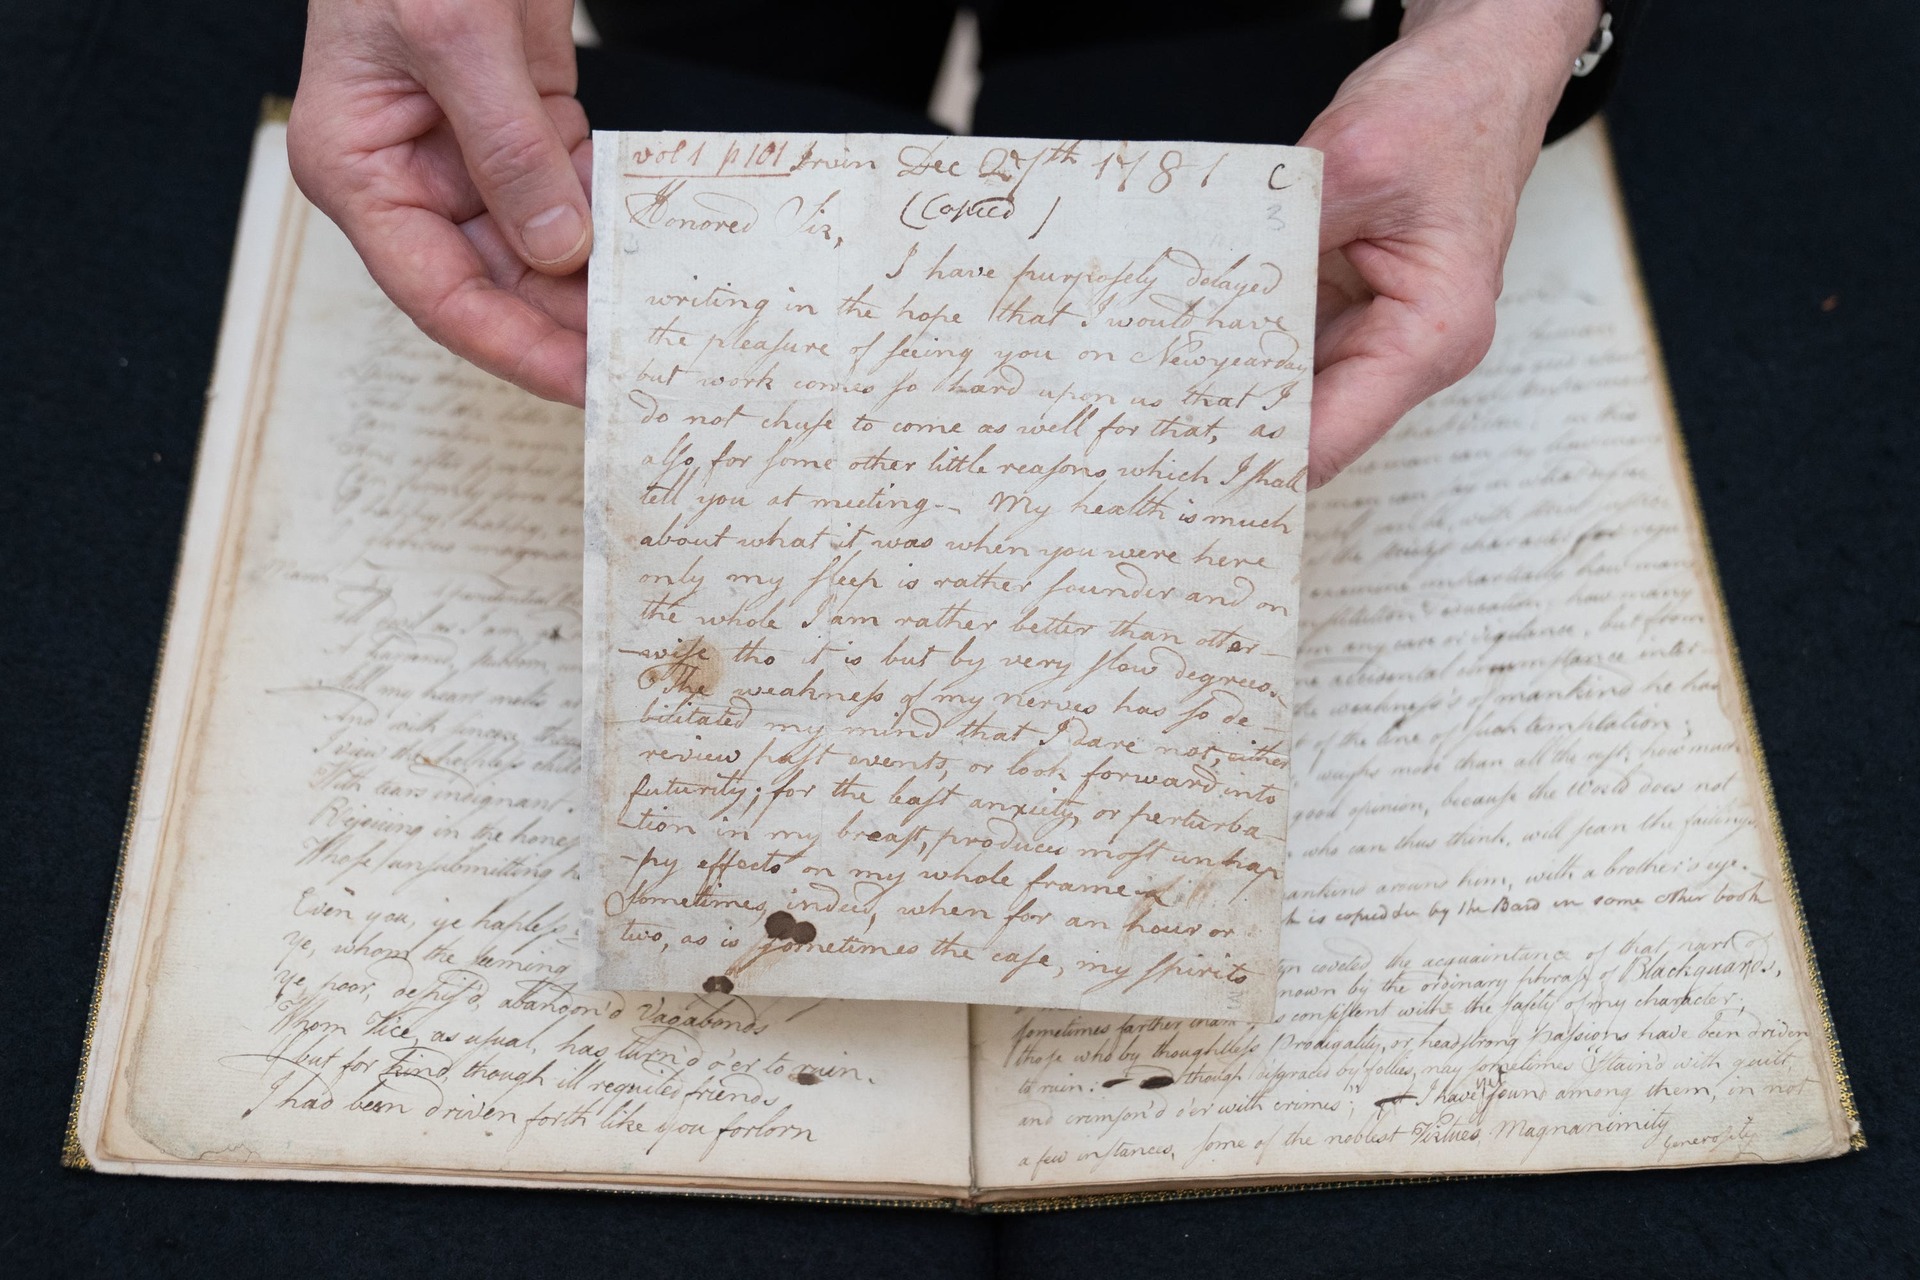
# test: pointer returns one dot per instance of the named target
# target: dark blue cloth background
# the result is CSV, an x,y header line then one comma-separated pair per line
x,y
1768,155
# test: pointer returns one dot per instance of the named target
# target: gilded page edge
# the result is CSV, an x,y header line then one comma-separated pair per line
x,y
1707,571
231,402
1003,1200
901,1195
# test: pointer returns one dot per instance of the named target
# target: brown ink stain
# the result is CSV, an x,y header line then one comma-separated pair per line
x,y
1156,1082
692,668
806,1077
782,927
719,984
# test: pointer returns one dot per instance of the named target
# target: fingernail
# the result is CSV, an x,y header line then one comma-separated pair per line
x,y
553,236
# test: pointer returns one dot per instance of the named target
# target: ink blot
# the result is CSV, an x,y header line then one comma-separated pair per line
x,y
782,927
1156,1082
718,984
806,1077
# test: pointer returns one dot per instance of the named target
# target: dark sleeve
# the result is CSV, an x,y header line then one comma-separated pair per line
x,y
1584,94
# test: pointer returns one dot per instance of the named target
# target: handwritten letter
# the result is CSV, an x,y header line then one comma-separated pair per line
x,y
943,534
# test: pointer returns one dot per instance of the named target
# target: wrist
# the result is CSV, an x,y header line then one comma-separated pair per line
x,y
1568,24
1529,44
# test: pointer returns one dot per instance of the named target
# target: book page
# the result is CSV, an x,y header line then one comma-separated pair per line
x,y
1537,916
360,958
943,530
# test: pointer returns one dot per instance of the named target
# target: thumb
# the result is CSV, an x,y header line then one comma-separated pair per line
x,y
1343,217
1379,360
514,151
1355,187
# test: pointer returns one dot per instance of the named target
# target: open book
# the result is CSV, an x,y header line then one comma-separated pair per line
x,y
1537,914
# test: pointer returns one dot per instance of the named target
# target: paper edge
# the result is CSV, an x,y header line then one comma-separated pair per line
x,y
250,284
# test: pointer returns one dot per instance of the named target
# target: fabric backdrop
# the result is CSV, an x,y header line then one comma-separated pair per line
x,y
1766,149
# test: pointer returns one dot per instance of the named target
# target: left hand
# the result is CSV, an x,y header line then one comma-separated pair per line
x,y
443,136
1427,147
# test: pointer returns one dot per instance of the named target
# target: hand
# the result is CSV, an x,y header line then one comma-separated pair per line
x,y
1427,146
443,137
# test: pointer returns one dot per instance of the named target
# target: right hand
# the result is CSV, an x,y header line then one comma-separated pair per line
x,y
1428,146
444,138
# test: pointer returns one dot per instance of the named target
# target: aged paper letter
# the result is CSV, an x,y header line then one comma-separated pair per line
x,y
366,905
1536,915
943,529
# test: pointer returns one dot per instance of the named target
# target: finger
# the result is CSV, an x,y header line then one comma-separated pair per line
x,y
515,143
1377,362
1341,293
436,275
439,172
564,298
582,157
1363,167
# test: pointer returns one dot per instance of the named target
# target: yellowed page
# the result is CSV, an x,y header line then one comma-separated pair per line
x,y
358,957
1537,914
944,505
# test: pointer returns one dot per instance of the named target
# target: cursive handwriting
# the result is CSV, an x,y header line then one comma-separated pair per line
x,y
972,474
1531,917
371,946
